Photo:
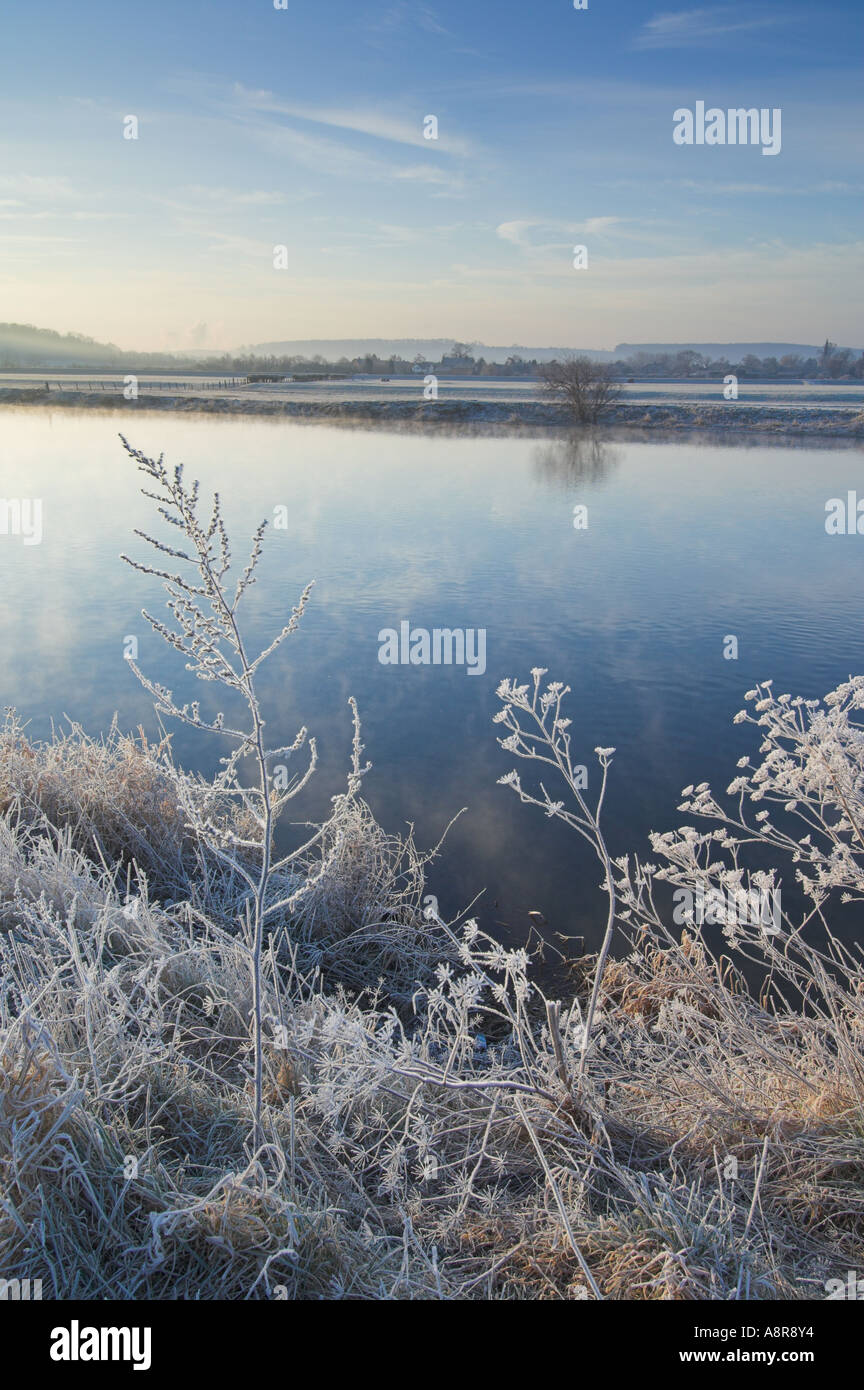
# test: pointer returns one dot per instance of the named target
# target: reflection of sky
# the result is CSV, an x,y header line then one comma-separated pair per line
x,y
685,544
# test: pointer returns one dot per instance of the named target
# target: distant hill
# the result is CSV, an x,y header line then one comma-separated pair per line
x,y
731,352
432,349
24,346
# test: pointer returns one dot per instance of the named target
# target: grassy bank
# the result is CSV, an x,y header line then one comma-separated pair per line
x,y
729,417
403,1156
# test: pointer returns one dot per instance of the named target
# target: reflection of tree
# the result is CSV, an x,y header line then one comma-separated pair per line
x,y
575,459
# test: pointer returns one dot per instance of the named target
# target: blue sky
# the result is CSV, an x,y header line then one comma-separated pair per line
x,y
303,127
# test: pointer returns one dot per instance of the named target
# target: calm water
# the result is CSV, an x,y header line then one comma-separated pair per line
x,y
686,543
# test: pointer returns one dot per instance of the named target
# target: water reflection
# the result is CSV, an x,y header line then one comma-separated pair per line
x,y
577,458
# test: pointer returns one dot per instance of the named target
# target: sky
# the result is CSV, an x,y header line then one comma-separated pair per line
x,y
303,127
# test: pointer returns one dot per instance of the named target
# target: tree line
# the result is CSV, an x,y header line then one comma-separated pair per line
x,y
23,346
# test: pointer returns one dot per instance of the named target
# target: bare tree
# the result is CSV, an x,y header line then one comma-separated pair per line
x,y
587,388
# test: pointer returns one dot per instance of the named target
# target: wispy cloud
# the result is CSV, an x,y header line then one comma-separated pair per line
x,y
769,189
33,187
390,236
340,160
58,216
256,250
379,124
46,198
408,15
255,198
694,28
536,234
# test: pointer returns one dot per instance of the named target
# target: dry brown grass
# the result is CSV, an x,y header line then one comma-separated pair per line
x,y
110,794
399,1161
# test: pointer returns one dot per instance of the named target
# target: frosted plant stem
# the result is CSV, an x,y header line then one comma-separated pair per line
x,y
559,1201
601,959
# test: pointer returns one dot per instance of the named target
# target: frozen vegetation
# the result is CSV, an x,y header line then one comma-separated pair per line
x,y
226,1074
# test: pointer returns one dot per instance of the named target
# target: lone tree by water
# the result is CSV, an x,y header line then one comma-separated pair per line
x,y
587,388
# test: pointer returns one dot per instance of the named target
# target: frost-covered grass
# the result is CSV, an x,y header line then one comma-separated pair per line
x,y
424,1123
434,1146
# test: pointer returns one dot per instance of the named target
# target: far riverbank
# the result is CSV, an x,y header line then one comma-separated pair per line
x,y
820,421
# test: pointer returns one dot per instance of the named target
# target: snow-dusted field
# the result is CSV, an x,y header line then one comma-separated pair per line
x,y
469,390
